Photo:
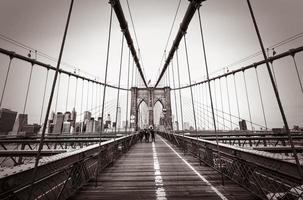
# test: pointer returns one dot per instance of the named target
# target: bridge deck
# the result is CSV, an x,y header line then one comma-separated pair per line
x,y
156,171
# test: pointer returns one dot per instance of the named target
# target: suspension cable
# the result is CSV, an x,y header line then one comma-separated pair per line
x,y
176,105
67,94
28,86
210,94
127,92
221,96
261,98
191,89
216,103
247,99
104,92
180,96
49,105
237,100
6,78
119,82
57,95
92,102
87,95
297,71
44,92
76,90
228,100
81,107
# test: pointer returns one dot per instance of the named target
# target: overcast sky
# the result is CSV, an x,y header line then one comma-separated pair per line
x,y
229,36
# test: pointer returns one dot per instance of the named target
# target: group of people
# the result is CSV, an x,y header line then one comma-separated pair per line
x,y
146,134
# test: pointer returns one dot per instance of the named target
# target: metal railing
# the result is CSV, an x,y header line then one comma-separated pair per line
x,y
261,173
60,176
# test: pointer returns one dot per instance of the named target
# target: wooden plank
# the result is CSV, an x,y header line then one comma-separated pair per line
x,y
133,177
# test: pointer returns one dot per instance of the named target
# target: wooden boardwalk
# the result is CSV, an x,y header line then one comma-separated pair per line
x,y
157,171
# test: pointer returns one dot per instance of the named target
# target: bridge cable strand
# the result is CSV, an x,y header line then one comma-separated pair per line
x,y
49,105
180,96
172,26
276,91
210,93
228,101
237,99
104,92
6,78
57,95
216,103
203,100
87,95
92,98
28,87
43,99
76,90
261,98
247,99
81,104
67,93
132,80
96,99
297,71
189,79
119,82
127,92
221,97
176,104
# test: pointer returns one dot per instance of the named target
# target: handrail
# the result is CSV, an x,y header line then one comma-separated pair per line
x,y
66,171
264,174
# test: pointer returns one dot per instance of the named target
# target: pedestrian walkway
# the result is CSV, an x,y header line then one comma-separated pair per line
x,y
160,171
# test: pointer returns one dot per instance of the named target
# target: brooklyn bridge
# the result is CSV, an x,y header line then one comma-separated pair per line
x,y
151,99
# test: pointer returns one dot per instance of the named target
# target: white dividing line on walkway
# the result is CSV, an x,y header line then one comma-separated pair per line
x,y
160,191
198,174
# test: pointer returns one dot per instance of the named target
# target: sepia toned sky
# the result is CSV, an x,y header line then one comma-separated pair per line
x,y
229,37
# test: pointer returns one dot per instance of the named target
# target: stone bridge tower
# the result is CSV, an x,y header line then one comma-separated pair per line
x,y
151,96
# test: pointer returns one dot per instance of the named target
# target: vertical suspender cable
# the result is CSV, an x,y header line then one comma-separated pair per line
x,y
180,96
76,90
203,113
133,66
28,86
57,96
247,99
44,92
237,100
191,89
210,95
127,92
67,93
104,92
96,101
6,78
228,99
261,99
297,71
276,92
87,95
223,113
216,104
176,106
81,106
92,100
49,104
119,82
